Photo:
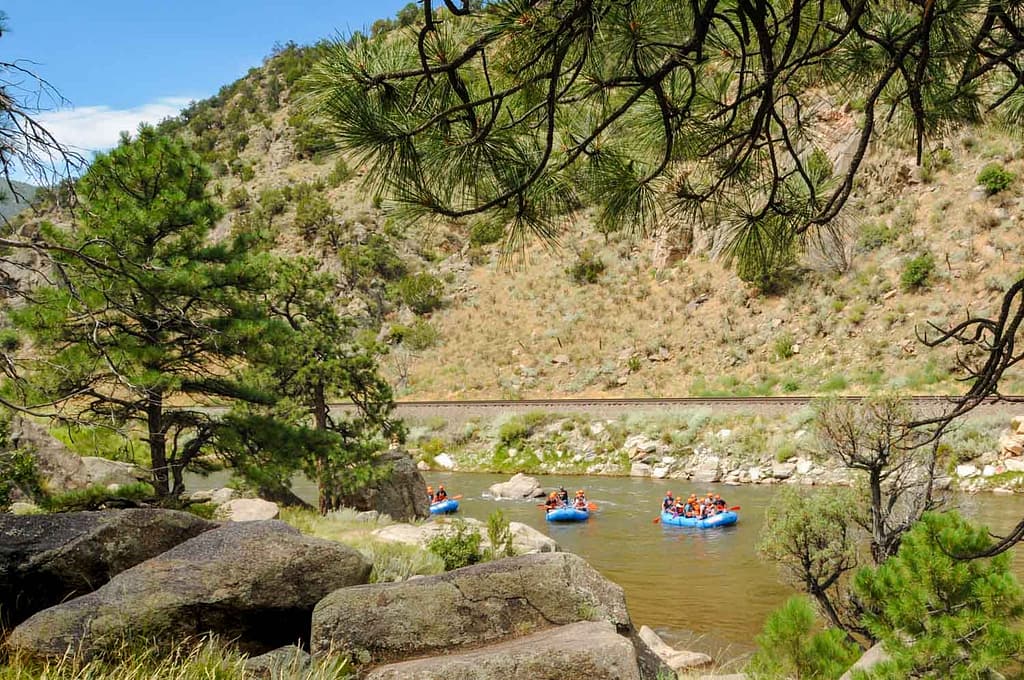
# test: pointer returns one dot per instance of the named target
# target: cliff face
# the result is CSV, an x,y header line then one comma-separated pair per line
x,y
663,317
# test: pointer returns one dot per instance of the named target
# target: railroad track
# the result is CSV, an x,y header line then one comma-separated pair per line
x,y
459,410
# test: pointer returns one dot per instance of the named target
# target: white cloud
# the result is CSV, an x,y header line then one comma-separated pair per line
x,y
96,128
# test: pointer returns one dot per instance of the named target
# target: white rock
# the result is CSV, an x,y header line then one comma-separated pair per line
x,y
754,474
1002,491
677,660
525,539
668,460
520,486
248,510
422,466
1014,464
660,472
1017,424
803,466
799,434
221,496
724,433
783,470
639,470
988,471
873,656
445,461
966,470
105,472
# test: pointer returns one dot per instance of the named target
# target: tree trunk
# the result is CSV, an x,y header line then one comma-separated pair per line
x,y
878,542
327,502
157,442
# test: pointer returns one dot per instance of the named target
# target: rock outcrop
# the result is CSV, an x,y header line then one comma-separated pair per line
x,y
677,660
252,582
402,495
587,649
46,559
517,488
248,510
483,604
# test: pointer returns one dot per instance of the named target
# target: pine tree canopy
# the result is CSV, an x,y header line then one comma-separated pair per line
x,y
528,109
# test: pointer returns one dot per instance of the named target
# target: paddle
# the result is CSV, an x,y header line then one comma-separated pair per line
x,y
591,506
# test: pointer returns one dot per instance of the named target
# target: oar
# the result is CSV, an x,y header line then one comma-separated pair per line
x,y
457,497
734,508
591,506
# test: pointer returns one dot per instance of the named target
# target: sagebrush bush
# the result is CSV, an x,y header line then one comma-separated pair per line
x,y
422,292
917,272
458,547
486,232
340,173
995,178
587,268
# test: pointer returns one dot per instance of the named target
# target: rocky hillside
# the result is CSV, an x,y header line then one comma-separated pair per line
x,y
628,314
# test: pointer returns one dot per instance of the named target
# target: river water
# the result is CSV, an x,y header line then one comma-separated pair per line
x,y
700,589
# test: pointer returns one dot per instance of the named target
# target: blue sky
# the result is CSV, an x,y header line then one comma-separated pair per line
x,y
120,63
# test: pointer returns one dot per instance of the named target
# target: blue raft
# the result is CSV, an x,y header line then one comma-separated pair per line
x,y
722,519
568,515
445,507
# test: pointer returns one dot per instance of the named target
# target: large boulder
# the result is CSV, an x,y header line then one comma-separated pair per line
x,y
481,604
676,659
248,510
104,472
252,582
517,488
46,559
59,470
281,663
587,649
402,494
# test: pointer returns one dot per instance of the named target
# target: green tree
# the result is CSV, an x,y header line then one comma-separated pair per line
x,y
789,648
811,538
940,617
147,311
311,360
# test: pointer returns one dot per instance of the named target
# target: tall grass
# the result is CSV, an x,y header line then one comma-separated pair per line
x,y
209,659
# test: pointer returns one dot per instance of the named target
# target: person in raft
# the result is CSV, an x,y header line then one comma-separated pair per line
x,y
430,494
580,502
563,495
686,508
668,502
441,494
553,502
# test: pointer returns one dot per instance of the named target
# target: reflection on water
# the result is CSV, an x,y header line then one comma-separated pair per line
x,y
681,582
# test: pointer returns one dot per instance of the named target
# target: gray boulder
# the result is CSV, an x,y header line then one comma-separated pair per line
x,y
517,488
46,559
402,495
476,605
252,582
588,649
103,472
248,510
867,661
59,470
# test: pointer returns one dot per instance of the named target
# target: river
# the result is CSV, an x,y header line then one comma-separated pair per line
x,y
702,590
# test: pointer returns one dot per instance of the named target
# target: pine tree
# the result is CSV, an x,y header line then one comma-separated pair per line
x,y
940,617
789,648
146,310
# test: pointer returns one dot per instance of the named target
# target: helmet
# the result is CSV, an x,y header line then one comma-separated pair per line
x,y
430,488
669,494
579,491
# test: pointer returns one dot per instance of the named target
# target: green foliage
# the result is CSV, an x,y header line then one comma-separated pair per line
x,y
500,537
486,232
273,201
313,214
513,432
417,337
309,140
995,178
237,198
340,173
874,235
940,616
587,268
783,347
422,292
96,497
764,252
917,271
459,547
789,647
17,467
204,510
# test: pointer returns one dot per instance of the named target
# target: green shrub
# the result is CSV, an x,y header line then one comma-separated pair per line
x,y
17,470
995,178
514,431
458,548
486,232
400,562
273,201
917,272
312,214
420,335
204,510
587,268
237,198
432,447
422,292
784,346
340,173
499,534
874,235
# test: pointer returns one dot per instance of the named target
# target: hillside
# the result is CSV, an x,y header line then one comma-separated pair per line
x,y
660,317
11,205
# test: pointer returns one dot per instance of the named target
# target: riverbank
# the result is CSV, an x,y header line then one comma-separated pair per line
x,y
697,445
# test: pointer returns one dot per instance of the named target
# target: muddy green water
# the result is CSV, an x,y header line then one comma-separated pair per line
x,y
703,589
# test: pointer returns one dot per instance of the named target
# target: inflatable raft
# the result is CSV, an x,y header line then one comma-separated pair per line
x,y
722,519
568,515
447,506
